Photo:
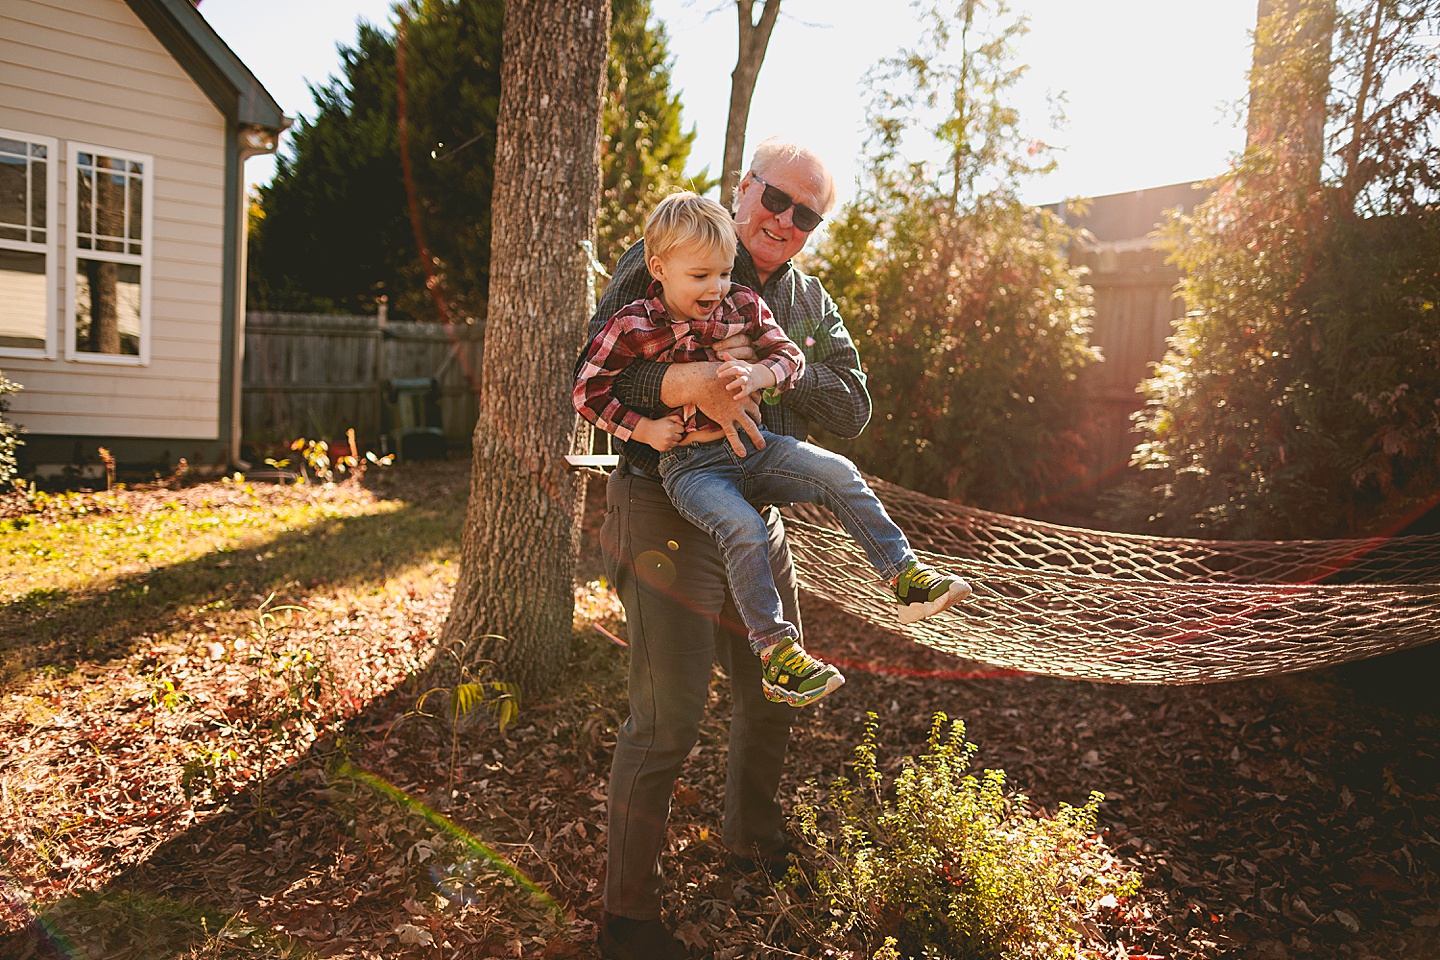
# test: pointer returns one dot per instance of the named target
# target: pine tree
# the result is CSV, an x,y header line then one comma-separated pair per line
x,y
342,223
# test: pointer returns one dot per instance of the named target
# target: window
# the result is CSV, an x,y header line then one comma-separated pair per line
x,y
109,275
27,245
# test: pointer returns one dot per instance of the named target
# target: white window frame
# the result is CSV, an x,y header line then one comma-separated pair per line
x,y
74,253
50,248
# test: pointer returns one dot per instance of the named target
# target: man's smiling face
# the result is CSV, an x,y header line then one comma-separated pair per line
x,y
773,238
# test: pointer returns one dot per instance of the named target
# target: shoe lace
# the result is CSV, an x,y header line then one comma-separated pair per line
x,y
925,577
795,661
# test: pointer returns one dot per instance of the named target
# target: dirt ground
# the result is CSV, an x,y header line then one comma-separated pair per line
x,y
1292,817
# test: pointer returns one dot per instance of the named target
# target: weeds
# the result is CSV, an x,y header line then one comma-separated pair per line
x,y
317,461
289,693
464,692
941,863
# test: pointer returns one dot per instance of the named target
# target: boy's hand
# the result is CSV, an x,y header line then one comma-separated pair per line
x,y
735,374
661,434
742,378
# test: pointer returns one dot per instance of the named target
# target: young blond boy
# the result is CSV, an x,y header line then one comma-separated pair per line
x,y
692,305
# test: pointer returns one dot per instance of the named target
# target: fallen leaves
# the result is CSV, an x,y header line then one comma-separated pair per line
x,y
1281,819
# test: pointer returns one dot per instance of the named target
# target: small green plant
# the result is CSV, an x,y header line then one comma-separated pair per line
x,y
288,694
9,434
463,693
315,456
943,864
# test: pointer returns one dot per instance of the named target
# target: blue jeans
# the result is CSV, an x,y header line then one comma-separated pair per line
x,y
715,490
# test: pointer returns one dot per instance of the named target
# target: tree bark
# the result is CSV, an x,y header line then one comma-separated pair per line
x,y
514,599
1312,39
754,38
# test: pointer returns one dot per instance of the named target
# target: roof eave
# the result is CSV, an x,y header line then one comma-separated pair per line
x,y
213,66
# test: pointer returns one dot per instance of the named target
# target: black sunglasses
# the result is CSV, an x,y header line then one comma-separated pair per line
x,y
777,201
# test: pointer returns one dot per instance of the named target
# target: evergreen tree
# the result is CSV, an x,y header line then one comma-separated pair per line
x,y
971,322
644,151
340,224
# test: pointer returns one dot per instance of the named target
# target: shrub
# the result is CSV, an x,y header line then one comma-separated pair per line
x,y
9,434
944,864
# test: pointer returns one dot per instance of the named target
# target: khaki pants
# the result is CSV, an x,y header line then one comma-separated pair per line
x,y
671,579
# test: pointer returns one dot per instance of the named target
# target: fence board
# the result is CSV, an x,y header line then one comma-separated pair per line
x,y
317,375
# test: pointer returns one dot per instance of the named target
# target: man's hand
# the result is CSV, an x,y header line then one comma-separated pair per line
x,y
661,434
696,383
736,347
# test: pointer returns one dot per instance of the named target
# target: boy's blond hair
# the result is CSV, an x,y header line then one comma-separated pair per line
x,y
685,220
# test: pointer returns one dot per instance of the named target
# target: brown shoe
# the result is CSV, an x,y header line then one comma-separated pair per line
x,y
639,940
773,862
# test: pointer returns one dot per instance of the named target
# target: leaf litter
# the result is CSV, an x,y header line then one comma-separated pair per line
x,y
1290,817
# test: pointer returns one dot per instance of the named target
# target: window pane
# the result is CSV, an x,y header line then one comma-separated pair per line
x,y
110,204
11,233
37,150
85,202
22,299
13,190
17,147
38,197
85,159
107,307
137,207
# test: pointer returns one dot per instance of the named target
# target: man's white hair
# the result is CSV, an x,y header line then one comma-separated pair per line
x,y
779,150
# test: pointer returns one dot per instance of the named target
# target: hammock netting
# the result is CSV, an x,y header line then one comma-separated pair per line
x,y
1123,608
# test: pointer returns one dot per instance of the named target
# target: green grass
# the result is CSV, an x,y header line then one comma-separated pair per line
x,y
87,577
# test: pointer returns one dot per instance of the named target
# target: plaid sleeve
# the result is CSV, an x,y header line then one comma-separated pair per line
x,y
638,385
831,392
775,350
608,354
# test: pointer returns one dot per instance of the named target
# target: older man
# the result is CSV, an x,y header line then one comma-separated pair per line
x,y
670,575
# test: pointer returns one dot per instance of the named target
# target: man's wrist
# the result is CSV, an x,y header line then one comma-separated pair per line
x,y
687,383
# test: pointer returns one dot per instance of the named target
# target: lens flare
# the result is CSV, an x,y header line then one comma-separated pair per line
x,y
471,842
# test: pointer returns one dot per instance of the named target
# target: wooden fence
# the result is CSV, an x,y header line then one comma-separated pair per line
x,y
1135,311
317,375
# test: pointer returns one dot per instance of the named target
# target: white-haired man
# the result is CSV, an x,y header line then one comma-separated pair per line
x,y
671,576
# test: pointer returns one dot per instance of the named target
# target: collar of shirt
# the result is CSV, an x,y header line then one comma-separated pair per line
x,y
747,273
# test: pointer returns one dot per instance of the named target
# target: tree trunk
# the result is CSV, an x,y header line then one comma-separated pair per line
x,y
1351,174
754,38
1312,39
514,599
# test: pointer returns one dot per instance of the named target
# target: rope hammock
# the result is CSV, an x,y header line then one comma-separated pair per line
x,y
1122,608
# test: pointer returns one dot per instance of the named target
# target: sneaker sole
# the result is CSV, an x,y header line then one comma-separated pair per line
x,y
911,612
780,695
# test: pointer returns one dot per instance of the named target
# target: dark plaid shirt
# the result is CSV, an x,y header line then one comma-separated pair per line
x,y
644,330
830,393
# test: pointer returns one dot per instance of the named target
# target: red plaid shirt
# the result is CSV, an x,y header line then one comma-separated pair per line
x,y
642,330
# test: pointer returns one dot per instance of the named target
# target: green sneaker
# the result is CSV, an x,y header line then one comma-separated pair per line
x,y
923,591
792,676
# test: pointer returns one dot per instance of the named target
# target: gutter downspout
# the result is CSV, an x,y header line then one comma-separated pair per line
x,y
252,141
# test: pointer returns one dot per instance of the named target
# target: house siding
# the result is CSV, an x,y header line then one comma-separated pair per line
x,y
88,71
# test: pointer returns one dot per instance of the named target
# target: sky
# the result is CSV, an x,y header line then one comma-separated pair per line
x,y
1151,86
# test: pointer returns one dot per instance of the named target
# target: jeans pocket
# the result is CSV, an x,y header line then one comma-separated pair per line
x,y
673,458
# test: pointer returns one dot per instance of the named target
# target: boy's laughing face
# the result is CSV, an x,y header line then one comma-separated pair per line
x,y
695,280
